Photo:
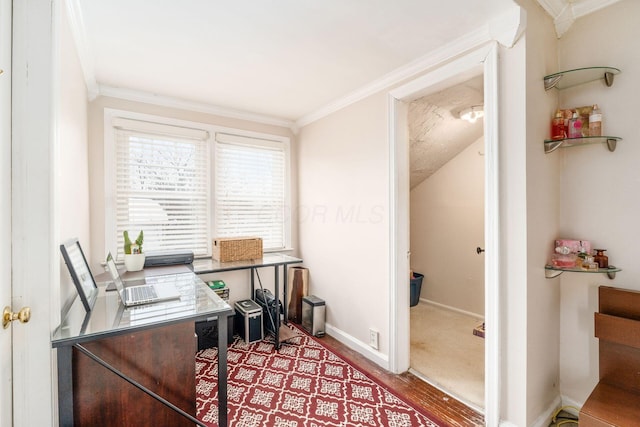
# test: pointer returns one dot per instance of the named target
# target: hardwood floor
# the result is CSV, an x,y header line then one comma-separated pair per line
x,y
442,406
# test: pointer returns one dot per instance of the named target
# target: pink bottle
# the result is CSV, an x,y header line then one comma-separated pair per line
x,y
575,126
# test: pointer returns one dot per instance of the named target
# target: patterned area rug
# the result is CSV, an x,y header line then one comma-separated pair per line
x,y
302,385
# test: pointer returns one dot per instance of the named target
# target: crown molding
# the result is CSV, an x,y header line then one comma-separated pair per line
x,y
440,55
585,7
166,101
509,26
505,29
94,89
564,12
80,37
553,7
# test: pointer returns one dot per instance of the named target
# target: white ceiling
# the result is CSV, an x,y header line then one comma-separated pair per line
x,y
283,62
282,59
279,58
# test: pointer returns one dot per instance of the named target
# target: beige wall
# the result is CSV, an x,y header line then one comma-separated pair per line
x,y
447,224
529,304
599,189
543,296
72,159
343,176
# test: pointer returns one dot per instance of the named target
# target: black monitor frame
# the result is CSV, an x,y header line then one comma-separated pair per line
x,y
80,272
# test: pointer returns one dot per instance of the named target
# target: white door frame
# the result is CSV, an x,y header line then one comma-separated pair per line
x,y
6,368
483,60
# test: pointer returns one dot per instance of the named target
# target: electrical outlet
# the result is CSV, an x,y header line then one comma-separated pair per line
x,y
373,338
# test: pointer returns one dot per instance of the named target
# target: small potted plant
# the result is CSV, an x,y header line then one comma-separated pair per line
x,y
133,255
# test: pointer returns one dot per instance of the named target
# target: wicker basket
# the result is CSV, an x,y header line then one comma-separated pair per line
x,y
237,248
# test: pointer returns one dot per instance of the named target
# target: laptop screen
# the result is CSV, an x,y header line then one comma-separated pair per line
x,y
113,270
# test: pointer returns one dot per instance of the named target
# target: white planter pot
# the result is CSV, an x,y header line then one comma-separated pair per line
x,y
134,262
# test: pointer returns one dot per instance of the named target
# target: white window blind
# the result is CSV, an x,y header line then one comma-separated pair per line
x,y
162,186
250,189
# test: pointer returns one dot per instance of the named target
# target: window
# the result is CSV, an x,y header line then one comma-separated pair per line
x,y
185,183
250,189
161,185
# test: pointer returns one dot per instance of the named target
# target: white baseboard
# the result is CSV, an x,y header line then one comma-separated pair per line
x,y
448,307
566,401
359,346
543,419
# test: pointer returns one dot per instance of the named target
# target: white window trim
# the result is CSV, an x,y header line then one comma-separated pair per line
x,y
111,114
275,139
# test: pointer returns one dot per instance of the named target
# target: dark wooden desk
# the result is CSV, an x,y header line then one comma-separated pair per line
x,y
150,347
615,401
275,260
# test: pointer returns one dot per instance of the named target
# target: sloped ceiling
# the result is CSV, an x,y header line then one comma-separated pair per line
x,y
436,133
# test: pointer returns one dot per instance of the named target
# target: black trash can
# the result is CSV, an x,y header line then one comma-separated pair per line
x,y
416,287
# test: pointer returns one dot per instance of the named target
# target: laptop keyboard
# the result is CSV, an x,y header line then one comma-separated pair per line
x,y
142,293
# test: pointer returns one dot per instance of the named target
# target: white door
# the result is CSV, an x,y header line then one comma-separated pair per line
x,y
5,210
27,246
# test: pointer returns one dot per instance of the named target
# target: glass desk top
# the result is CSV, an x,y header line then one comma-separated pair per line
x,y
110,317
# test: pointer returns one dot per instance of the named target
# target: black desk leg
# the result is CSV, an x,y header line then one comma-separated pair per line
x,y
253,284
222,371
276,287
65,386
284,297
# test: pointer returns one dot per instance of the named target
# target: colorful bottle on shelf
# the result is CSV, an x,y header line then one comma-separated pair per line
x,y
575,126
601,258
595,121
567,114
557,126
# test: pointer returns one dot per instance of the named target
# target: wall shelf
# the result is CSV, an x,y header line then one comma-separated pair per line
x,y
551,145
550,271
575,77
578,76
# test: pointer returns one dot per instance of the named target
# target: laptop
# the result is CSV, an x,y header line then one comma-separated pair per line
x,y
140,294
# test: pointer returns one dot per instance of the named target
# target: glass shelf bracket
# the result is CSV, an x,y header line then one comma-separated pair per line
x,y
575,77
551,145
550,271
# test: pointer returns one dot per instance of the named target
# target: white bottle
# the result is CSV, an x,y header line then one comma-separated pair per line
x,y
595,121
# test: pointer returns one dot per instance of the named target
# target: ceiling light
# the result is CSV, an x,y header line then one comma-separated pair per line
x,y
472,114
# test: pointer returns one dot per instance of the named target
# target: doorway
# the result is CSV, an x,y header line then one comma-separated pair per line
x,y
446,226
482,61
